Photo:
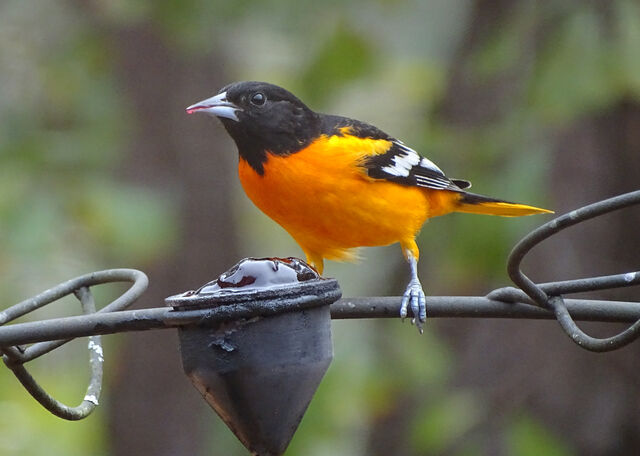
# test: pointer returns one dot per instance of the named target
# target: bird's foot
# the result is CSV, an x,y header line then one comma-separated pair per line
x,y
414,297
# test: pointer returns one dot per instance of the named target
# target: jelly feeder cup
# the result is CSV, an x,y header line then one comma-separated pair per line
x,y
260,372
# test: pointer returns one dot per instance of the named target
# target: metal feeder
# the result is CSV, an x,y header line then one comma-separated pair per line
x,y
260,373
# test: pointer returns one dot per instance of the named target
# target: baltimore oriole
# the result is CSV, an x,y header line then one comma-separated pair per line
x,y
336,183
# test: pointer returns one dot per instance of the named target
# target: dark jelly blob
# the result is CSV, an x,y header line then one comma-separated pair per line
x,y
260,274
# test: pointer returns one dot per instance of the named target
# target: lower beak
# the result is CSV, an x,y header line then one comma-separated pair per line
x,y
216,106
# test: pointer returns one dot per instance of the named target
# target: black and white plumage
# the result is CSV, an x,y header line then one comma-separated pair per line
x,y
400,163
403,165
326,179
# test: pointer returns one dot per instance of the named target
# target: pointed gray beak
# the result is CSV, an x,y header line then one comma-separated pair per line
x,y
216,106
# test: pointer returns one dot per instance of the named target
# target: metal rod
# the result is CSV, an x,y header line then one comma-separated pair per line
x,y
346,308
530,301
552,299
15,359
139,279
483,307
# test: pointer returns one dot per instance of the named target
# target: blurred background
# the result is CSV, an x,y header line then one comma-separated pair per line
x,y
533,101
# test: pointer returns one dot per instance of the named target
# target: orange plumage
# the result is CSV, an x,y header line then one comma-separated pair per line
x,y
329,205
317,193
336,183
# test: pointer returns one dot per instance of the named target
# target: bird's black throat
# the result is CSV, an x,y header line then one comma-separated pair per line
x,y
255,141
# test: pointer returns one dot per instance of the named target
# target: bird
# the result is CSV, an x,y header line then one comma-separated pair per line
x,y
336,184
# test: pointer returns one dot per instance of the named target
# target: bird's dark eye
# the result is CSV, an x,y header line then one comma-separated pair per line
x,y
258,99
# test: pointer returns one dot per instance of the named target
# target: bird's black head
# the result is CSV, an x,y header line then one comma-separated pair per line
x,y
261,118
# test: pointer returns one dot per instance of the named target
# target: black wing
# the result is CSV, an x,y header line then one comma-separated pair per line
x,y
405,166
400,163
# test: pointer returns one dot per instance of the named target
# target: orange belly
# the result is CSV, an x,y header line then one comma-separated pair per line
x,y
329,205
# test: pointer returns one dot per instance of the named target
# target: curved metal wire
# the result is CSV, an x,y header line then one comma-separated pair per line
x,y
551,296
531,300
15,356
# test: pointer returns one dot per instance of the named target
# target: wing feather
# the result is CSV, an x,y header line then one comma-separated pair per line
x,y
399,164
405,166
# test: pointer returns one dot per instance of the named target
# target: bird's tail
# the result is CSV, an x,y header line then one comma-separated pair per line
x,y
478,204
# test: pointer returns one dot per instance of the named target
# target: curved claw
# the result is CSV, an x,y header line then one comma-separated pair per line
x,y
414,296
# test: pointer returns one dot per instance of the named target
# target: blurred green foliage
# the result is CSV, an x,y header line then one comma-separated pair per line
x,y
343,58
28,430
64,125
528,437
62,131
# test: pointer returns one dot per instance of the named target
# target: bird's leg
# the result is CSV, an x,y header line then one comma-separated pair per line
x,y
414,296
315,261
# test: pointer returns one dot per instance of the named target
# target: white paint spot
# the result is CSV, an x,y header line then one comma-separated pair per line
x,y
91,398
97,349
573,215
630,277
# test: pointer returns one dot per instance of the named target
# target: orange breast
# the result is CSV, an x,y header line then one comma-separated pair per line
x,y
328,204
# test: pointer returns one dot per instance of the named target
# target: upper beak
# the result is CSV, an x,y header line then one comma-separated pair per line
x,y
216,106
